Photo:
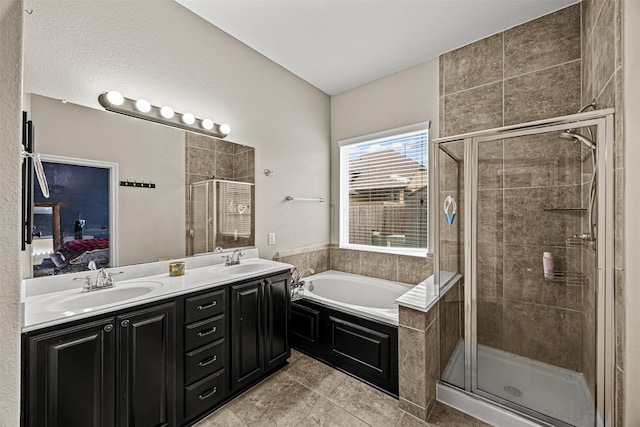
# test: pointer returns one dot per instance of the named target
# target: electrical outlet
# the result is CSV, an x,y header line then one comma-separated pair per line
x,y
272,238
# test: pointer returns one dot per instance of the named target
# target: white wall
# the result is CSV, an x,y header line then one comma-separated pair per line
x,y
158,50
10,139
403,98
631,64
151,222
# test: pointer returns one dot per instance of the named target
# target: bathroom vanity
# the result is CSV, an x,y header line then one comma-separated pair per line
x,y
166,360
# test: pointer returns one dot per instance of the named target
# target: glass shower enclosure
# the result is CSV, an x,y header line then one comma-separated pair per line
x,y
220,214
525,268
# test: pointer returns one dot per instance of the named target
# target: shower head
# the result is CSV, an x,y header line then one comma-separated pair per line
x,y
586,141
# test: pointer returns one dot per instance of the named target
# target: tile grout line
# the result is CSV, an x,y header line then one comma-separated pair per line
x,y
544,68
329,399
513,77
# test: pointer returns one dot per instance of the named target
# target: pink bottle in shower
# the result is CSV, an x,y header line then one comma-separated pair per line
x,y
547,264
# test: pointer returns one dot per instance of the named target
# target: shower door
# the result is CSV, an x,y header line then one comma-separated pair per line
x,y
202,213
535,343
536,340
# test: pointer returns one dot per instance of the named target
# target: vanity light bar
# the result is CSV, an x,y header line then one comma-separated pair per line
x,y
114,101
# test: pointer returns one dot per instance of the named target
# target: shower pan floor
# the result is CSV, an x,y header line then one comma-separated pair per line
x,y
556,392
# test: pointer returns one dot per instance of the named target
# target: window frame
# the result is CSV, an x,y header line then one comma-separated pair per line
x,y
343,230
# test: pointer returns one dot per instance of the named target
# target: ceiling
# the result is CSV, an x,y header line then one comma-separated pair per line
x,y
337,45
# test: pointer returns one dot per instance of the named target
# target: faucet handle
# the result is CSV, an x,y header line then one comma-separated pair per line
x,y
88,285
110,277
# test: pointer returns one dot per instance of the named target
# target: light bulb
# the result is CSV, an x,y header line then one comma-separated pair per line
x,y
143,105
115,98
166,112
207,124
187,118
225,128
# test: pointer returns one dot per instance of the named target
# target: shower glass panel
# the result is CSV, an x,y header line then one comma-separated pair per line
x,y
202,211
450,266
518,333
535,329
222,214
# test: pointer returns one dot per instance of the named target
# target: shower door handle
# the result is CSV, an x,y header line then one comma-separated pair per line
x,y
600,288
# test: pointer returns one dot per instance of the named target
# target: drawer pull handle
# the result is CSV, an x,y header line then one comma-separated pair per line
x,y
205,333
208,361
206,306
207,393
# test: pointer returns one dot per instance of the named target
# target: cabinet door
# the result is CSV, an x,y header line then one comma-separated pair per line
x,y
277,301
71,377
146,367
247,349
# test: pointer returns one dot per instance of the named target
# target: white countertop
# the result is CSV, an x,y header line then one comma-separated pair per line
x,y
41,310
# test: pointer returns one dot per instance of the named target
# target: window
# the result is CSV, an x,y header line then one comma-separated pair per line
x,y
384,191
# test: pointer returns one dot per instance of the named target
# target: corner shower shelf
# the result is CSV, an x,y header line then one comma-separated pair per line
x,y
568,278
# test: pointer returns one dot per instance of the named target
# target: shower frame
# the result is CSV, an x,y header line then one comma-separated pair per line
x,y
212,221
605,329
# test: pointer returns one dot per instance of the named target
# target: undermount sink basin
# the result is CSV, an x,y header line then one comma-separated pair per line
x,y
102,297
245,268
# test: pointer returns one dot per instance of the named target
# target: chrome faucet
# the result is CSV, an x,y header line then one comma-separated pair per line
x,y
234,258
104,279
297,276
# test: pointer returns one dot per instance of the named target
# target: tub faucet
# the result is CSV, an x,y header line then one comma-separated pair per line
x,y
297,276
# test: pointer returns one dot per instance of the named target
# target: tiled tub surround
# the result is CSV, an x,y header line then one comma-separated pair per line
x,y
602,79
426,341
313,257
397,268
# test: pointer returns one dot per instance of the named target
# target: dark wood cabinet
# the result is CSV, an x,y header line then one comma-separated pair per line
x,y
70,375
161,364
276,336
259,328
117,371
146,367
247,325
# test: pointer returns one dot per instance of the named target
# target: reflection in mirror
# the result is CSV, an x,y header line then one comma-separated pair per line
x,y
148,224
72,227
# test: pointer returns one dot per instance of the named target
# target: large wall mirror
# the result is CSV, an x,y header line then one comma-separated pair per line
x,y
202,194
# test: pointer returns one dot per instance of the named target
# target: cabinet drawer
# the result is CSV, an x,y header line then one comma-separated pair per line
x,y
204,394
203,306
203,332
204,361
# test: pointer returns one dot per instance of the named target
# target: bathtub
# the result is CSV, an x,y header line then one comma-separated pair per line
x,y
359,295
350,322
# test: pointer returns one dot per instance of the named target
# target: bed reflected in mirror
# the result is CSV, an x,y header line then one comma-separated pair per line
x,y
73,226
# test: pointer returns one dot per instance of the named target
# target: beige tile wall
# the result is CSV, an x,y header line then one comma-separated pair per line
x,y
602,80
313,257
399,268
526,73
425,344
419,360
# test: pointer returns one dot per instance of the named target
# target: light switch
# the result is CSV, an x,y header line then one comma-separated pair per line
x,y
272,238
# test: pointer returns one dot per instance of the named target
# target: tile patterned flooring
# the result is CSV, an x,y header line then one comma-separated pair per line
x,y
309,393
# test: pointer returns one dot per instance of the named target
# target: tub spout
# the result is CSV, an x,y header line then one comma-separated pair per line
x,y
297,276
